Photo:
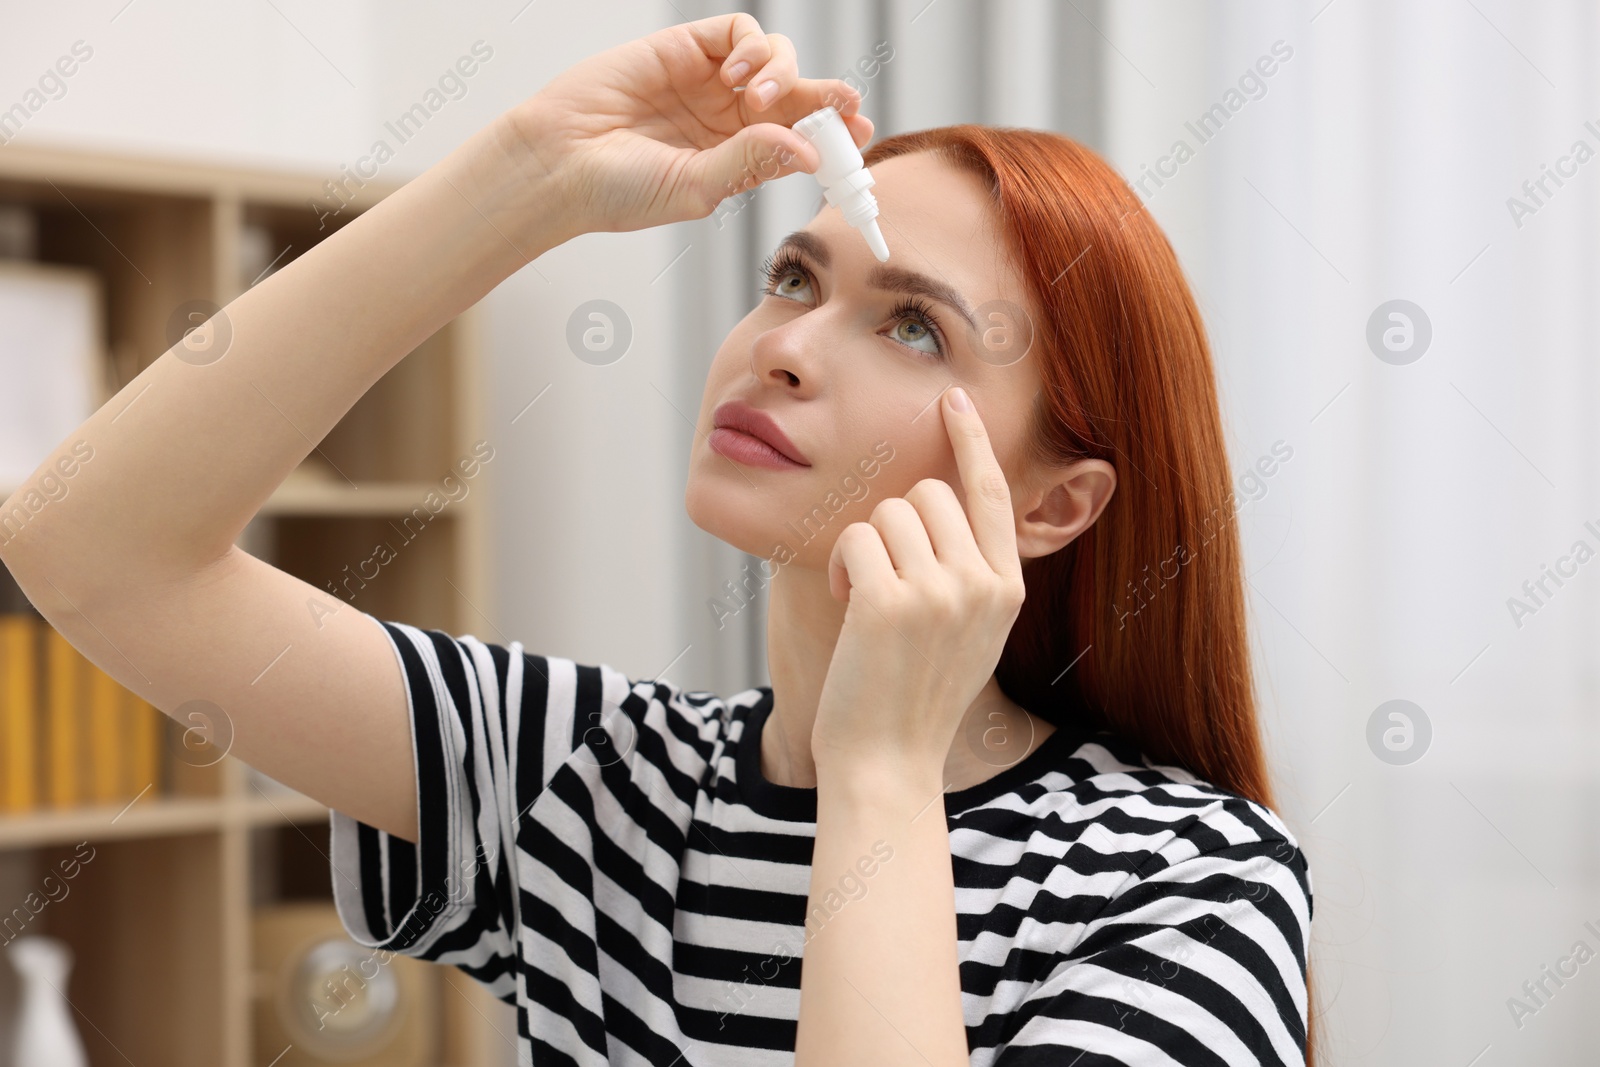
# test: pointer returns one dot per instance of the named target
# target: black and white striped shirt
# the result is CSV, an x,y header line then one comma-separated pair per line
x,y
605,855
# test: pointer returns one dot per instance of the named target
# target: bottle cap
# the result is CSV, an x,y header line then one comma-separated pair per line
x,y
845,181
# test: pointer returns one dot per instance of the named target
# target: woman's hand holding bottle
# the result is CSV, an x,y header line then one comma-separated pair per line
x,y
657,131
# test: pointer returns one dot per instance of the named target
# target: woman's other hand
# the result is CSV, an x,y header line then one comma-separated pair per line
x,y
664,128
933,590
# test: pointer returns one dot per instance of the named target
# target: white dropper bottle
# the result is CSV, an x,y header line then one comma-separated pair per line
x,y
845,181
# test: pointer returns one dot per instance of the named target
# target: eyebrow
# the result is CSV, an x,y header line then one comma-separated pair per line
x,y
887,278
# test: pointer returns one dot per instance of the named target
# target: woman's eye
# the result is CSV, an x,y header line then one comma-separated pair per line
x,y
781,284
914,325
918,332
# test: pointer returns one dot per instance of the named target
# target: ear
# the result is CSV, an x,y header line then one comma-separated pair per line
x,y
1065,502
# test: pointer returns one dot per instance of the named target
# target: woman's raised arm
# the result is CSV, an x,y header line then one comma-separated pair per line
x,y
137,567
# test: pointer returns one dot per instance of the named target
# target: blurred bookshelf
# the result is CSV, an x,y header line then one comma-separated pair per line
x,y
206,874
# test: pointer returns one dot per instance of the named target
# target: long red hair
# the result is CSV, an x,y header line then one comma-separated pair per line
x,y
1147,605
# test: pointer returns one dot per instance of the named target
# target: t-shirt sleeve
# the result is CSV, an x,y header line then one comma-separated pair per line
x,y
1201,960
490,724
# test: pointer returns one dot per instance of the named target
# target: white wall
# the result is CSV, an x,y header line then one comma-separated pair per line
x,y
1419,497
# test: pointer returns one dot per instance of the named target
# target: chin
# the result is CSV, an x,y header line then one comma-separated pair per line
x,y
736,514
739,522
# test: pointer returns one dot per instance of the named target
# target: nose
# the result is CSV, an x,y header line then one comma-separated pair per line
x,y
787,355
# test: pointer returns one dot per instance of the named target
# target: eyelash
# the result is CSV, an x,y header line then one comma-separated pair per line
x,y
785,262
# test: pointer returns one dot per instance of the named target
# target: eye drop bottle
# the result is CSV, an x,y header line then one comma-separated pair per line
x,y
845,181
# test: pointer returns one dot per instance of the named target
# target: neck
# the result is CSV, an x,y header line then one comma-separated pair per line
x,y
803,624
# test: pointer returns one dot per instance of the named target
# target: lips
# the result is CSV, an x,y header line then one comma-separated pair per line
x,y
741,418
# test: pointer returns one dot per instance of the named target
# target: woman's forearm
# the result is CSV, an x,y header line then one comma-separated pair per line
x,y
879,978
186,453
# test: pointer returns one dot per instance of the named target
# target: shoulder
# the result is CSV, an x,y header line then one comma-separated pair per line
x,y
560,707
1171,918
1099,803
1195,815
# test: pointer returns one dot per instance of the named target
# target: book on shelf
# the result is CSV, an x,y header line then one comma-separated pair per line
x,y
51,358
70,734
19,703
63,736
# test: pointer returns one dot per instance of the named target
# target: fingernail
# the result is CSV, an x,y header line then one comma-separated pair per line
x,y
958,399
765,91
737,72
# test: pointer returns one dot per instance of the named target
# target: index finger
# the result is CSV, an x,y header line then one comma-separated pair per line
x,y
988,495
738,37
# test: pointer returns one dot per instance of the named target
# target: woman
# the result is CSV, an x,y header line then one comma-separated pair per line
x,y
1005,794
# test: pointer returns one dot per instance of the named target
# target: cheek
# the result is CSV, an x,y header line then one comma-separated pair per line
x,y
894,451
921,448
910,467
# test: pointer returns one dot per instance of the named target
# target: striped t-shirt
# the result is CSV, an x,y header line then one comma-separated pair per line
x,y
606,856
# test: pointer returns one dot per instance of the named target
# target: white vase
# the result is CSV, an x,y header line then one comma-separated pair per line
x,y
46,1036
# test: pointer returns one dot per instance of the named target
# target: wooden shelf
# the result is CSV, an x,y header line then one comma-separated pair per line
x,y
146,818
327,498
130,174
317,497
154,817
160,922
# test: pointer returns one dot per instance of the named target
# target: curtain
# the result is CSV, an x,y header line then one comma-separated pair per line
x,y
1392,238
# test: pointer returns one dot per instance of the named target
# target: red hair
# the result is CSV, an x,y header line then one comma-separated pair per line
x,y
1148,603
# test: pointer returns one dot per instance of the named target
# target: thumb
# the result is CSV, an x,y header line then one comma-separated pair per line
x,y
756,154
